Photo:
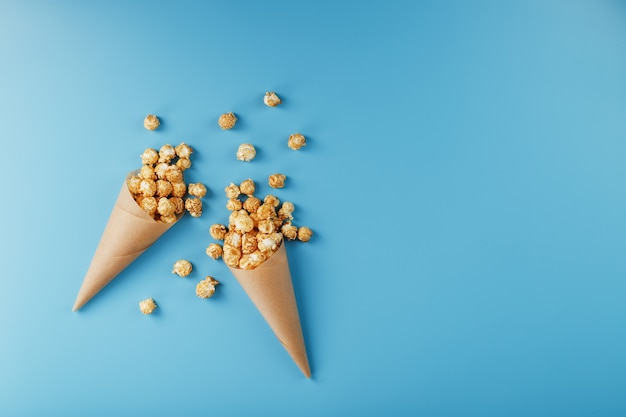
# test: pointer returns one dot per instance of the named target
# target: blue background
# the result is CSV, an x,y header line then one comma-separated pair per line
x,y
464,177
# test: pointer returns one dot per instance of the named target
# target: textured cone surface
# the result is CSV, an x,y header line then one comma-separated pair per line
x,y
128,233
270,288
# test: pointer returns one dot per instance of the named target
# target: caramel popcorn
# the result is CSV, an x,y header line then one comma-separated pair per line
x,y
234,204
232,191
249,242
149,157
231,255
197,189
179,205
266,226
183,163
165,207
269,242
218,231
277,180
252,260
214,250
194,206
247,187
246,152
147,306
182,268
271,99
133,184
160,169
149,205
266,211
271,200
167,153
243,223
147,187
233,238
174,174
296,141
227,121
147,173
252,204
206,287
151,122
304,234
168,219
286,210
163,188
183,150
289,231
179,189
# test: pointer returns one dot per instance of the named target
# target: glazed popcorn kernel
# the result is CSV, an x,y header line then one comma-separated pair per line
x,y
266,211
183,150
147,187
151,122
232,191
266,226
179,205
194,206
234,204
231,255
277,180
182,268
163,188
268,242
133,184
147,173
165,207
227,121
272,200
179,189
304,234
183,163
197,189
149,157
296,141
217,231
246,152
174,174
168,219
252,260
247,187
243,223
289,231
286,211
167,153
214,250
249,242
233,239
206,287
161,169
147,306
149,205
252,204
271,99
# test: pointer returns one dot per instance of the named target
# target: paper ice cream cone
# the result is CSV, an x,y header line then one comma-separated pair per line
x,y
270,288
128,233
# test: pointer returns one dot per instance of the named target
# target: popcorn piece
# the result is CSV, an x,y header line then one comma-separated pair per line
x,y
147,306
249,242
271,99
234,204
227,121
269,242
252,260
182,268
151,122
161,169
197,189
194,206
233,239
163,188
277,180
296,141
149,205
304,234
179,205
167,153
206,287
246,152
266,226
183,163
286,211
179,189
273,200
243,222
147,187
147,173
168,219
231,255
183,150
289,231
174,174
217,231
133,184
266,211
149,157
165,207
214,250
232,191
247,187
252,204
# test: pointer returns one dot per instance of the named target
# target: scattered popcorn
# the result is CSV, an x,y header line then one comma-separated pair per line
x,y
183,150
286,210
182,268
246,152
296,141
227,121
234,204
218,231
147,306
243,223
232,191
289,231
277,180
252,204
167,153
194,206
151,122
271,200
206,287
247,187
304,234
271,99
197,189
266,226
183,163
149,157
214,250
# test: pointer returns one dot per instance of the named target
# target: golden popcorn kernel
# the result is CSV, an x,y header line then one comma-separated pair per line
x,y
217,231
179,189
243,223
271,99
147,187
246,152
252,204
277,180
174,174
161,169
296,141
252,260
289,231
304,234
168,219
269,242
182,268
234,204
194,206
149,205
179,205
147,173
147,306
167,153
151,122
285,211
164,188
149,157
133,184
197,189
249,242
214,250
233,239
183,150
266,211
272,200
183,163
165,207
247,187
266,226
227,121
206,287
232,191
231,255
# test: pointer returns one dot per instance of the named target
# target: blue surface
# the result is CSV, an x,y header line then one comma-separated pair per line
x,y
464,177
